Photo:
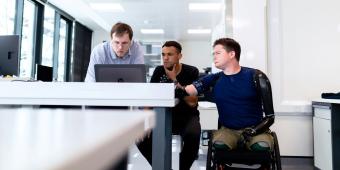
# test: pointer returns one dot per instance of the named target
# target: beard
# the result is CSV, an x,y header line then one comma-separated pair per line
x,y
170,66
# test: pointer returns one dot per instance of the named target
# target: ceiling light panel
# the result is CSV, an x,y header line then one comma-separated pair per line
x,y
111,7
205,6
199,31
152,31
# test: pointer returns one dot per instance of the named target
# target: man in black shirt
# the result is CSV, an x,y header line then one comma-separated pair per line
x,y
185,116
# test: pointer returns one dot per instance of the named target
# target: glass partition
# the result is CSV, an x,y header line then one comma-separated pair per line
x,y
7,16
48,37
62,50
152,56
27,39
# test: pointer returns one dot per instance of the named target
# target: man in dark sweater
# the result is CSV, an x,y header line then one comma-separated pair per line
x,y
185,116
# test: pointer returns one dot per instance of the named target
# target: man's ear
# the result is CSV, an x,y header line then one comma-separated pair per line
x,y
180,56
233,54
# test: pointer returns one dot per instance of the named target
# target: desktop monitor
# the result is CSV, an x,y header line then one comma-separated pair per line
x,y
9,55
131,73
44,73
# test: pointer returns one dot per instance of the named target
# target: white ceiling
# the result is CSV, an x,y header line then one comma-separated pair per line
x,y
171,15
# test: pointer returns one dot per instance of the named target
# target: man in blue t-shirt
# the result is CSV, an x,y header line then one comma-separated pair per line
x,y
120,50
238,100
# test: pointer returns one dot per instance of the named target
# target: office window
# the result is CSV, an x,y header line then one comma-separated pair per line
x,y
62,50
45,33
71,59
7,15
27,39
152,56
48,37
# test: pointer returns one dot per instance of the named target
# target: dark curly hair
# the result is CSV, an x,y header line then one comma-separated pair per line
x,y
173,44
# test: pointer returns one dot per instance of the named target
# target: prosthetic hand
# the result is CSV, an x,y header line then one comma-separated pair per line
x,y
180,92
260,128
248,133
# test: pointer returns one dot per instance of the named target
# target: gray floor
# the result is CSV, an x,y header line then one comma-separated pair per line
x,y
138,162
297,163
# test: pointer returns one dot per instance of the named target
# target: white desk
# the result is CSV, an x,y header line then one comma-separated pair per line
x,y
79,93
208,115
9,79
68,138
157,95
326,130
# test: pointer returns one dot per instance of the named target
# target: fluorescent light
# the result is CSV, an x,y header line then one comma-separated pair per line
x,y
204,6
114,7
156,45
152,31
199,31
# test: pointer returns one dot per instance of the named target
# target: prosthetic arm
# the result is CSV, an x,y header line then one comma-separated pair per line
x,y
263,88
180,91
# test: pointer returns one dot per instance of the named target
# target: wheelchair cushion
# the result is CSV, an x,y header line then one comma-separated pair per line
x,y
260,147
222,146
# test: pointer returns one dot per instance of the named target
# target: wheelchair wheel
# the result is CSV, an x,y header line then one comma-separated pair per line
x,y
276,152
210,165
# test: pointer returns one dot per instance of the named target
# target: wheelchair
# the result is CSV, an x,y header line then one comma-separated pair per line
x,y
219,159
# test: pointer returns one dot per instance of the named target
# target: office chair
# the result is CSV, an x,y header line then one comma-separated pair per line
x,y
220,159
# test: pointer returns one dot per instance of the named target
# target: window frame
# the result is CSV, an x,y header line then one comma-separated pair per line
x,y
38,35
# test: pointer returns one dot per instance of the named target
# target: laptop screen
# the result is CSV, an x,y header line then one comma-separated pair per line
x,y
44,73
131,73
9,55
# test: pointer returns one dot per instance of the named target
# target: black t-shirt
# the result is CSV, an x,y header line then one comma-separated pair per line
x,y
182,111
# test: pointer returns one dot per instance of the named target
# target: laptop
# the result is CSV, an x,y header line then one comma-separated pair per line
x,y
131,73
9,55
44,73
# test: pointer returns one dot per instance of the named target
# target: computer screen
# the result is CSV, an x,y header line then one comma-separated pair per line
x,y
131,73
9,55
44,73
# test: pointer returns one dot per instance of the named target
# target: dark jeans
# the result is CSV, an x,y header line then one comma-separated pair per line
x,y
190,132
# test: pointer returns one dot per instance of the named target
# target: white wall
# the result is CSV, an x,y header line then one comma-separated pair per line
x,y
99,36
249,29
303,40
197,53
308,52
245,21
294,132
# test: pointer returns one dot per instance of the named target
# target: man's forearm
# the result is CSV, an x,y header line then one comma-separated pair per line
x,y
191,90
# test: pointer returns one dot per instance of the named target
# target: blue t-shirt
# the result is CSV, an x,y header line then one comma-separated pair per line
x,y
236,98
